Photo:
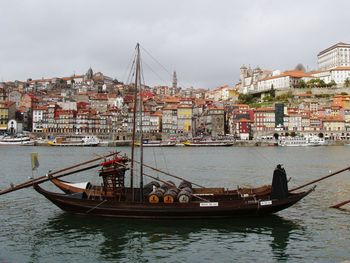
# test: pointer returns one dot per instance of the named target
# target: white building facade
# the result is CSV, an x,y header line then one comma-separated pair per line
x,y
337,55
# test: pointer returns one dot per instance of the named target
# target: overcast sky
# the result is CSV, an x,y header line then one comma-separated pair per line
x,y
205,41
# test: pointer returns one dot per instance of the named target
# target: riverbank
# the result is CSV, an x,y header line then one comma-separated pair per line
x,y
238,143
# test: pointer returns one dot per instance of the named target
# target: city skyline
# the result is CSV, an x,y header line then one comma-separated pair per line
x,y
205,42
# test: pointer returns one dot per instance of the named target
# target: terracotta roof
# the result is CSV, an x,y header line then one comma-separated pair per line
x,y
340,68
265,109
291,73
333,119
40,108
170,107
245,120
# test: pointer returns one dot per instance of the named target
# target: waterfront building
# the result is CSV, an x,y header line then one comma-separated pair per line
x,y
337,55
294,122
315,124
65,121
240,119
279,115
243,128
333,124
14,126
156,122
264,119
184,119
169,120
213,120
7,111
49,123
38,119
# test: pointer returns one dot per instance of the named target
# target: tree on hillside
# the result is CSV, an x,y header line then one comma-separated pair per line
x,y
347,83
246,98
332,83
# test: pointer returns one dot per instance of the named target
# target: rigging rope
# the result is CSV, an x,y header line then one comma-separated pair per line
x,y
131,66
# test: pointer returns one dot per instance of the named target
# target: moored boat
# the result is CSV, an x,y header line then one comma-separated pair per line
x,y
302,141
17,140
212,207
149,143
75,141
208,143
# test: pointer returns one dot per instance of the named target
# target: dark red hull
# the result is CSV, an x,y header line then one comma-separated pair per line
x,y
77,204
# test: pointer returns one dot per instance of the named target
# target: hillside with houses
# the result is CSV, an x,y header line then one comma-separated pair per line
x,y
264,102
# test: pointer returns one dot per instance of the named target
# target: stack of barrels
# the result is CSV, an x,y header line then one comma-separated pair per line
x,y
168,192
185,194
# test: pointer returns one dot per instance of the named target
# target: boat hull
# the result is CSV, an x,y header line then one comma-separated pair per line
x,y
76,203
208,144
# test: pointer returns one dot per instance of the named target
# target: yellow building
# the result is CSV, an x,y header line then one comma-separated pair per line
x,y
334,124
4,116
7,111
184,119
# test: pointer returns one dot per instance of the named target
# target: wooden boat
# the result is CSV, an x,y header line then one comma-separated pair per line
x,y
96,191
214,207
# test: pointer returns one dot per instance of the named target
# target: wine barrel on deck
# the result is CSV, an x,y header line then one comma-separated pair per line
x,y
148,188
156,196
185,195
168,185
170,196
184,184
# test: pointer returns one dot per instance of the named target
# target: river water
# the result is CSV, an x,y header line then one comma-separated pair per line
x,y
34,230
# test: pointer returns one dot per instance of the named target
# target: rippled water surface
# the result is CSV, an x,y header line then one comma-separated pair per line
x,y
34,230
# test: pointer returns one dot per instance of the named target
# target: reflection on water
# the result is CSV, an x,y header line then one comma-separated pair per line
x,y
123,239
34,230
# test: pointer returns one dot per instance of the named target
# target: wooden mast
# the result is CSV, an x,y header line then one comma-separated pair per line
x,y
132,166
139,84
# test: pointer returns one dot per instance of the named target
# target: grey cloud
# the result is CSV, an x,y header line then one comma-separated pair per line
x,y
204,41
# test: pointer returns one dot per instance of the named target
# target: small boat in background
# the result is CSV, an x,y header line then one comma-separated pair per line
x,y
17,140
148,143
208,142
75,141
302,141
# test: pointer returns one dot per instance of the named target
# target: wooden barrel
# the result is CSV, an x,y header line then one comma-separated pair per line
x,y
187,189
170,196
148,188
184,196
168,185
156,196
184,184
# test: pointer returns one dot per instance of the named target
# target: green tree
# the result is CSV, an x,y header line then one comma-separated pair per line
x,y
347,83
302,84
332,83
246,98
